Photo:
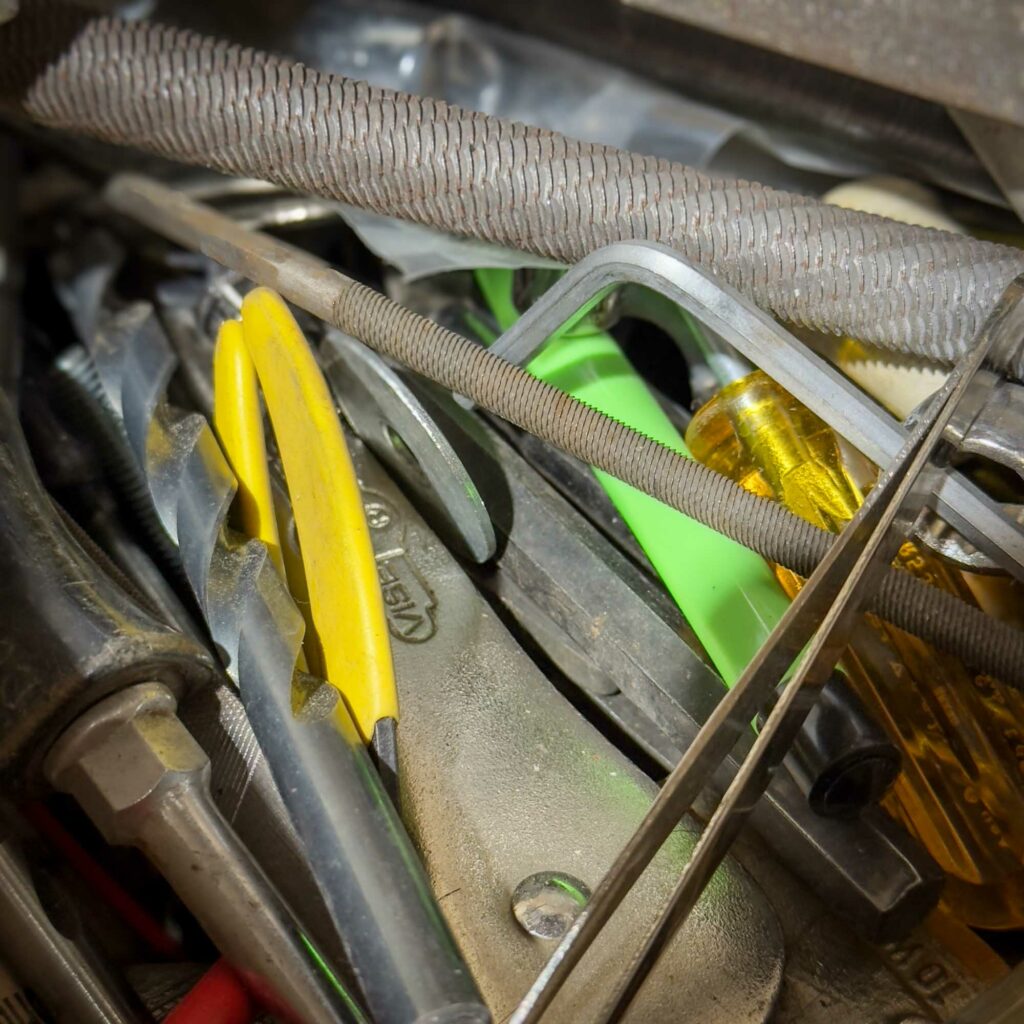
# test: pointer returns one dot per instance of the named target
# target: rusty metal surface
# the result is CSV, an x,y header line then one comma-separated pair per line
x,y
965,53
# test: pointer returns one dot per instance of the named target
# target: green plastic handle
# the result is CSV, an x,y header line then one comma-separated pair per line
x,y
727,593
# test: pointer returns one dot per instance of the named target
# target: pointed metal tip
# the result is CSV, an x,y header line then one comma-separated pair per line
x,y
384,750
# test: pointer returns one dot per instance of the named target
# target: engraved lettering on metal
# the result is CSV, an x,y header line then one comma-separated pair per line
x,y
408,602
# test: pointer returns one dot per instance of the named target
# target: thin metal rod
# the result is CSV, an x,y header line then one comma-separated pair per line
x,y
48,959
466,368
751,692
889,510
759,338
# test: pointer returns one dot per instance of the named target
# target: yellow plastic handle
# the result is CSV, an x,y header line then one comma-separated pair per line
x,y
341,572
238,422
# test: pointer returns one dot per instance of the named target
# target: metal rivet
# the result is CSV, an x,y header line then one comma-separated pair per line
x,y
546,903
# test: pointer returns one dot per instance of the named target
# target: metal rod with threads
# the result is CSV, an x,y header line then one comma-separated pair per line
x,y
837,589
508,391
821,615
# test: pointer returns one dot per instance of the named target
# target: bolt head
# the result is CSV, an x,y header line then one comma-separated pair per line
x,y
546,903
123,757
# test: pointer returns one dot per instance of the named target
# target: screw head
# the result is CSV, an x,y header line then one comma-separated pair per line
x,y
546,903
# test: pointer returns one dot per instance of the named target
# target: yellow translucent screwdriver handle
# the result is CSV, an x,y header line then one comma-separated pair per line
x,y
341,573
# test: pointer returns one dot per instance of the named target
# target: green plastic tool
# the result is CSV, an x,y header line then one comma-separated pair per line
x,y
727,593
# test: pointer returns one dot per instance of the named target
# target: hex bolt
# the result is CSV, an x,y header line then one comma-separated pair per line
x,y
546,903
145,782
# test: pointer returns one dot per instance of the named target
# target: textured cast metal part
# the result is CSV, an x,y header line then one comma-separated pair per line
x,y
615,633
502,778
854,982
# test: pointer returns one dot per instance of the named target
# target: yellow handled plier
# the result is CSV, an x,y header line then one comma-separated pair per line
x,y
347,634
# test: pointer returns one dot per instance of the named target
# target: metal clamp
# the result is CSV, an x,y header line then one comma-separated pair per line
x,y
755,335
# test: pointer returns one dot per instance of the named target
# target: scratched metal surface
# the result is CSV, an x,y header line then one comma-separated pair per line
x,y
963,53
502,778
834,977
